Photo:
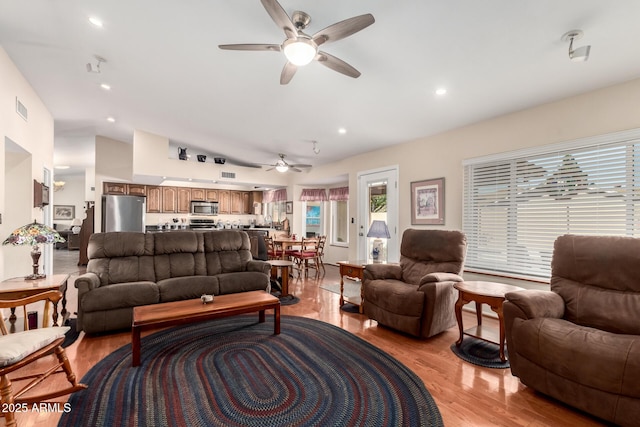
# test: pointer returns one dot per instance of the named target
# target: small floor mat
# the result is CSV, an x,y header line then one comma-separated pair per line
x,y
480,352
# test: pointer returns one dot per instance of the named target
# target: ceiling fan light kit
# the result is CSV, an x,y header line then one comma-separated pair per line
x,y
300,51
580,54
299,48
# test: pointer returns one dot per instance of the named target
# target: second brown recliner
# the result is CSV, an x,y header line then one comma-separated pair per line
x,y
417,296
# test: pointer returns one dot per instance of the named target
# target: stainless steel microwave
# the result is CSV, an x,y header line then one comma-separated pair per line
x,y
204,208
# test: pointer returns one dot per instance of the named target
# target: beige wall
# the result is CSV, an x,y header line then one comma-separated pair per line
x,y
602,111
32,140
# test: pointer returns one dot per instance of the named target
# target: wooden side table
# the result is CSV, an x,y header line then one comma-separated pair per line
x,y
353,269
284,271
483,293
17,287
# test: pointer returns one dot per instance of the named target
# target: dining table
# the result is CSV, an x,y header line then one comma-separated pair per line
x,y
286,243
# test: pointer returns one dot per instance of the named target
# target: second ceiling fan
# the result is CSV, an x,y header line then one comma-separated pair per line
x,y
300,48
282,165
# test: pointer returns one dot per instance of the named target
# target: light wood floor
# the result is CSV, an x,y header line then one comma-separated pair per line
x,y
467,395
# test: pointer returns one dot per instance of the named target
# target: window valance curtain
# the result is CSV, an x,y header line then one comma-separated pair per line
x,y
339,194
313,195
272,196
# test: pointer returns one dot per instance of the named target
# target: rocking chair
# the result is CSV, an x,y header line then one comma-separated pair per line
x,y
20,349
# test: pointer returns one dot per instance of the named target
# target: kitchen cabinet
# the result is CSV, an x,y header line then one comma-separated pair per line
x,y
237,205
154,199
255,203
169,200
184,200
224,202
212,195
136,189
246,202
114,188
121,188
198,194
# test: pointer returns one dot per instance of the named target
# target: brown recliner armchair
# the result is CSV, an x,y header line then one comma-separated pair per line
x,y
580,342
417,295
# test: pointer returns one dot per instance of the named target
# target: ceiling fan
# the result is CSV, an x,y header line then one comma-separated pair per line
x,y
282,165
300,48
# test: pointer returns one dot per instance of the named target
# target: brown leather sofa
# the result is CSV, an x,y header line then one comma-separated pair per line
x,y
417,296
128,269
580,342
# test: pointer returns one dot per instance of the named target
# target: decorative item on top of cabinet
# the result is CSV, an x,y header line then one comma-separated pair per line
x,y
212,195
224,202
154,199
198,194
184,200
169,200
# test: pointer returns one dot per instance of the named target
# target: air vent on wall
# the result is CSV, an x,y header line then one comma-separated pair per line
x,y
21,109
231,175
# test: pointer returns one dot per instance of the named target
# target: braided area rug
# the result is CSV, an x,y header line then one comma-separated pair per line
x,y
235,372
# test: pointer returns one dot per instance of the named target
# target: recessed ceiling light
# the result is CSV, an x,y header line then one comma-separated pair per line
x,y
441,91
62,167
111,119
342,131
95,21
105,86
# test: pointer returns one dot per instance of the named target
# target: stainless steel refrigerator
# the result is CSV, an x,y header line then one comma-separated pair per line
x,y
123,213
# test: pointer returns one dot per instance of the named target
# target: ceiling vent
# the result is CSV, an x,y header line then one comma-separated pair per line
x,y
21,110
231,175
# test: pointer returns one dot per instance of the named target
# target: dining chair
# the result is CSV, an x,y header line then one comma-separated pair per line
x,y
319,261
20,349
308,252
272,250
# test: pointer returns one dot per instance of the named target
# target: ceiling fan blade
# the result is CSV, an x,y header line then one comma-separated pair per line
x,y
343,29
337,64
251,46
291,168
270,169
287,73
301,166
280,17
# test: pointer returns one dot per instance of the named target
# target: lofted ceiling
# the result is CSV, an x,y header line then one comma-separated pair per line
x,y
168,77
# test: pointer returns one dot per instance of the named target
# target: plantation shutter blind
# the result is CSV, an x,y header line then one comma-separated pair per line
x,y
514,208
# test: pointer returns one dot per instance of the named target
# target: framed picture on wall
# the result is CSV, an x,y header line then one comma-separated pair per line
x,y
289,208
64,212
427,202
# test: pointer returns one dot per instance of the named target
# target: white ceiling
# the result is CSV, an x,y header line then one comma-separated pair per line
x,y
168,76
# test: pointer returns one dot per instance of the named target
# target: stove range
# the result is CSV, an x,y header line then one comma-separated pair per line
x,y
202,224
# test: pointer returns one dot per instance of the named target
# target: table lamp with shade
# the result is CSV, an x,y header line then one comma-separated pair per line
x,y
379,230
76,225
33,234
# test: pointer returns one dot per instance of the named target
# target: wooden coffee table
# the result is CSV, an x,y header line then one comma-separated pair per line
x,y
483,293
188,311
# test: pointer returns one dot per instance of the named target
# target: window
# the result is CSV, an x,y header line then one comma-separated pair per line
x,y
275,211
339,216
340,222
313,219
516,206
